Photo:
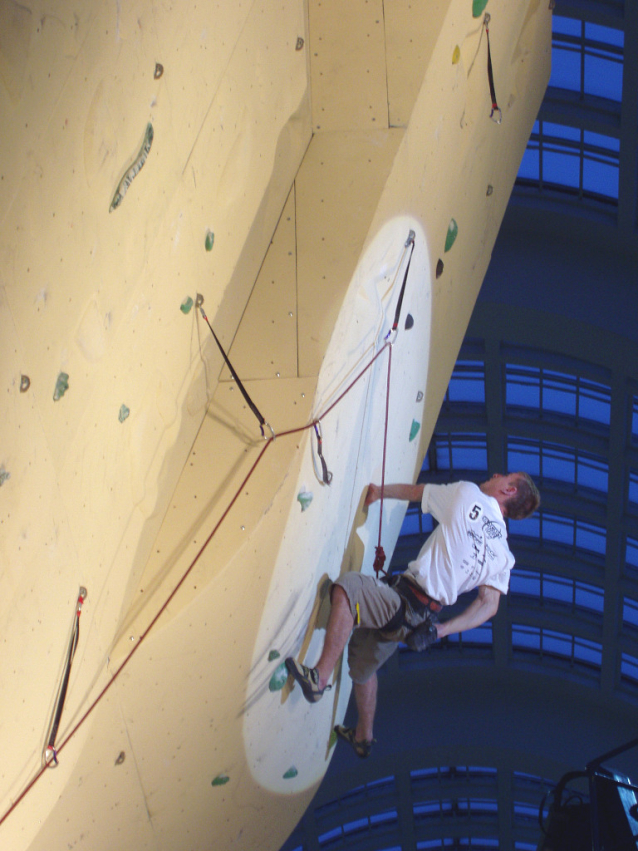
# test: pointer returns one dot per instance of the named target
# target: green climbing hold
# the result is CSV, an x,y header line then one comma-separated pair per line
x,y
278,679
220,780
332,741
452,233
61,386
414,429
304,498
210,240
477,7
456,55
124,412
4,475
274,654
292,772
186,305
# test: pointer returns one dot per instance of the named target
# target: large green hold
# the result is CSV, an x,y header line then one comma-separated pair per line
x,y
477,7
278,679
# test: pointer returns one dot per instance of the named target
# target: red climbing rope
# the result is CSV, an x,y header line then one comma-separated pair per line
x,y
315,424
179,584
379,559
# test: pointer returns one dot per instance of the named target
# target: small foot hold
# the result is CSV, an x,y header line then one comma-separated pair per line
x,y
61,386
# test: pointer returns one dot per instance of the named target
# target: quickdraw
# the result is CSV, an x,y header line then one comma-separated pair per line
x,y
326,474
379,559
490,74
244,392
50,755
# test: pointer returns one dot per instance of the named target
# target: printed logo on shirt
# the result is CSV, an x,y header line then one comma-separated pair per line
x,y
490,529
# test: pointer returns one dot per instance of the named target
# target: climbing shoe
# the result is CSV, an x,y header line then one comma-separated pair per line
x,y
362,749
308,679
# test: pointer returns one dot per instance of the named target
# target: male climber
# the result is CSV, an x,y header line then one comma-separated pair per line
x,y
467,550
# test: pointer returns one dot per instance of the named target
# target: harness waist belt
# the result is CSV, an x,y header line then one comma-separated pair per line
x,y
418,600
409,588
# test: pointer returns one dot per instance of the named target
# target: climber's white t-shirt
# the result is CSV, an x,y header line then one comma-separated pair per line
x,y
469,546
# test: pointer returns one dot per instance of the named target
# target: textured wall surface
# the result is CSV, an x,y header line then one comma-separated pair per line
x,y
294,147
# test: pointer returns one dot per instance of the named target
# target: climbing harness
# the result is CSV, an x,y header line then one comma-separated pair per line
x,y
244,392
490,74
50,755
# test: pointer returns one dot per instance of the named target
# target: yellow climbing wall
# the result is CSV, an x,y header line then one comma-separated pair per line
x,y
309,138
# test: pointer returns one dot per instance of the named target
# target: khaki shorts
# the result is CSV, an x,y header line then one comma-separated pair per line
x,y
368,648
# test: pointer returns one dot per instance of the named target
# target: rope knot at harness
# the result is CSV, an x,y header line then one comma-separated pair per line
x,y
379,560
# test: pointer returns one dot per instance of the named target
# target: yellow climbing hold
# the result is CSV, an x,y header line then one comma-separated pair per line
x,y
456,55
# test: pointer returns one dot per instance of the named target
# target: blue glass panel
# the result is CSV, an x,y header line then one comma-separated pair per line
x,y
525,811
469,457
589,537
466,389
530,527
443,457
411,524
630,612
523,387
607,35
633,487
530,164
589,597
468,382
558,465
629,667
603,77
588,651
566,26
561,167
562,131
355,826
631,552
526,637
565,68
595,404
329,836
526,582
593,474
527,462
600,141
559,589
559,395
558,529
480,635
600,178
557,644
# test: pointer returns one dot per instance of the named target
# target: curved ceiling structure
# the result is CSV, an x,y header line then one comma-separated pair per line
x,y
473,734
